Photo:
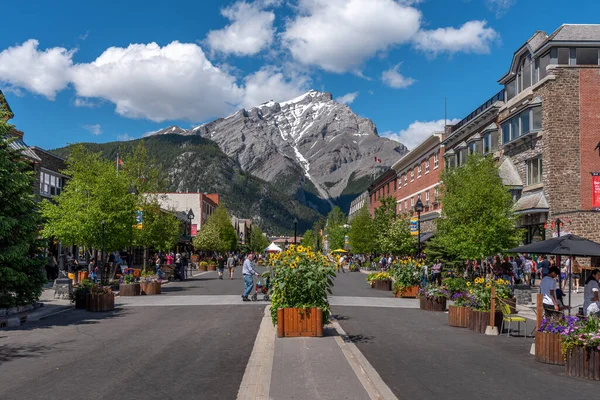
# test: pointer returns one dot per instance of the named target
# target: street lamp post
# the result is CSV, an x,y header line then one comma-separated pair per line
x,y
419,209
190,216
103,263
295,229
133,191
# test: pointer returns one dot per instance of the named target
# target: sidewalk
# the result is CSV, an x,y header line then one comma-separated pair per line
x,y
308,368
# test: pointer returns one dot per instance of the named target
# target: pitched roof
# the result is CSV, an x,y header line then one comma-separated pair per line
x,y
572,32
19,145
4,107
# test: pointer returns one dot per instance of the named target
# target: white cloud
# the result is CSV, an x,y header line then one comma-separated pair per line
x,y
500,7
250,32
41,72
83,102
93,129
124,138
348,98
340,35
418,131
176,81
393,78
471,37
271,83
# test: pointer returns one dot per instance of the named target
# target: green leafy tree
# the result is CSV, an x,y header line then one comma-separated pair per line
x,y
362,236
258,241
208,238
161,229
309,239
335,230
95,193
384,217
477,218
21,276
397,239
217,234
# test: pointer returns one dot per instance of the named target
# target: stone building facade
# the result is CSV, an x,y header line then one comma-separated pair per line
x,y
358,203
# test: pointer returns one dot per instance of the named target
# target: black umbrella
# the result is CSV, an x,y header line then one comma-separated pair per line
x,y
568,245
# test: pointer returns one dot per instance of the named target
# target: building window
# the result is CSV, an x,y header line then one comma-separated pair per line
x,y
521,124
50,185
427,165
525,126
394,185
412,174
537,118
563,56
412,201
534,171
427,197
419,171
405,179
511,89
406,205
543,63
436,195
436,161
587,56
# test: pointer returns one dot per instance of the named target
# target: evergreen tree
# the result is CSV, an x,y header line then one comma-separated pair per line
x,y
335,230
258,241
21,276
477,218
362,236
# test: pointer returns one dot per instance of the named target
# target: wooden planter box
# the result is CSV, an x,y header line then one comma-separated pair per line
x,y
201,268
293,322
583,362
548,348
80,300
150,288
212,267
411,291
129,289
382,285
100,302
478,321
432,304
458,316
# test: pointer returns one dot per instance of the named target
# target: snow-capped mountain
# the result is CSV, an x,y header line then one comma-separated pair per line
x,y
312,146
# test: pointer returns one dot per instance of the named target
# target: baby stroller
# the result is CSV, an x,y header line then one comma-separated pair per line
x,y
261,287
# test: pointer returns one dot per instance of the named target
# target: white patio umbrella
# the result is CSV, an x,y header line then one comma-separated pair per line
x,y
273,248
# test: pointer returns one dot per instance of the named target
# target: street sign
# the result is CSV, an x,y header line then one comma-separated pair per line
x,y
414,226
139,219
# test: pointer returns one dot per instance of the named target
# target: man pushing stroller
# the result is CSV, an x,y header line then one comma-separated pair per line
x,y
248,273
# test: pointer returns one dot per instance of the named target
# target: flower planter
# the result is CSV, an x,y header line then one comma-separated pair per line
x,y
129,289
293,322
478,321
432,303
80,300
150,288
548,348
411,291
385,284
202,268
212,267
458,316
100,302
583,362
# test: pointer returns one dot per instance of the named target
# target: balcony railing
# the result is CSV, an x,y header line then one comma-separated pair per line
x,y
497,97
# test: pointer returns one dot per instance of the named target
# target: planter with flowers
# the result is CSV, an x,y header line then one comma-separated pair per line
x,y
380,280
100,298
433,298
481,290
407,277
149,284
300,282
581,346
548,345
202,266
212,266
80,293
458,313
128,286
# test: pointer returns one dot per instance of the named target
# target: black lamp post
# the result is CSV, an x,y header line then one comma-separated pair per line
x,y
103,263
419,209
190,216
295,229
133,191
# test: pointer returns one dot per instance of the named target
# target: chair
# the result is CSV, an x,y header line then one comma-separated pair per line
x,y
510,318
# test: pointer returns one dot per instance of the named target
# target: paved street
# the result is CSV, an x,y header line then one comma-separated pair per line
x,y
195,341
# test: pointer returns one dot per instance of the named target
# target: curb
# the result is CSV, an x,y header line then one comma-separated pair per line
x,y
367,375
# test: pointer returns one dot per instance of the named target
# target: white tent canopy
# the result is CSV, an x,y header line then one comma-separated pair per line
x,y
273,248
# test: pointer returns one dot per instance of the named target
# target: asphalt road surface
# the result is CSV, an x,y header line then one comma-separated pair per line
x,y
419,356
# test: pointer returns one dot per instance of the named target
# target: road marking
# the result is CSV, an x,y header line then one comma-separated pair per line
x,y
370,379
256,383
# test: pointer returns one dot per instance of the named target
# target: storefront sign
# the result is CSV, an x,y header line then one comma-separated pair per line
x,y
596,191
414,226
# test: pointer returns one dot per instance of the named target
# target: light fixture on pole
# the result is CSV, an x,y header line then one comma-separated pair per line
x,y
190,216
133,191
103,263
419,209
295,228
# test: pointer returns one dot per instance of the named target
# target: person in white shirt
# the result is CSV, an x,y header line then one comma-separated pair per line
x,y
552,308
248,273
591,300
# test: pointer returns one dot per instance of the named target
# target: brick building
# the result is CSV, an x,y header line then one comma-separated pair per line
x,y
384,186
418,176
202,205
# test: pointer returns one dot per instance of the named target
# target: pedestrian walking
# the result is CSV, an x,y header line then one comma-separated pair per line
x,y
248,273
591,301
576,274
552,308
231,265
221,265
436,273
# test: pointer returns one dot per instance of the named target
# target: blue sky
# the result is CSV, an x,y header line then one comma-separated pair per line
x,y
115,70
